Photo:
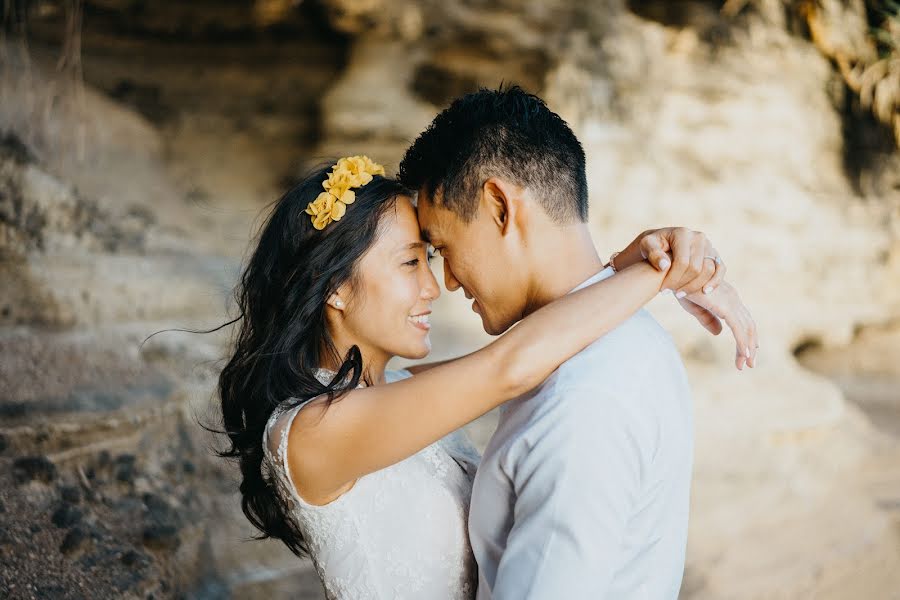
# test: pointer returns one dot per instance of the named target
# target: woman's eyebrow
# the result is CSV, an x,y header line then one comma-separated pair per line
x,y
412,246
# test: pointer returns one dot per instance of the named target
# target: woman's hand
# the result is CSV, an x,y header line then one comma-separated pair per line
x,y
695,264
724,303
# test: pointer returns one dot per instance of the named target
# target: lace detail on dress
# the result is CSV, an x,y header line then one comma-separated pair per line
x,y
397,533
433,455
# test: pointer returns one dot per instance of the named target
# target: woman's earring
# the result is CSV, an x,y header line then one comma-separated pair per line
x,y
339,303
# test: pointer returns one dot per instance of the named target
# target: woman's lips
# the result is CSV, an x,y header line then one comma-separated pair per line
x,y
421,321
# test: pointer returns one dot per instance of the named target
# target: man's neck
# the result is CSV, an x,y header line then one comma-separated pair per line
x,y
567,261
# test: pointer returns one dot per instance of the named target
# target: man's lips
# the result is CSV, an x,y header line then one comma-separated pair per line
x,y
474,302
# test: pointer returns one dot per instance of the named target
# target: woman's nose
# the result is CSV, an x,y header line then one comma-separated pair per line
x,y
430,288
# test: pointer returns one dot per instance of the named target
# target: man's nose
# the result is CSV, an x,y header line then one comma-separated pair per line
x,y
450,281
429,287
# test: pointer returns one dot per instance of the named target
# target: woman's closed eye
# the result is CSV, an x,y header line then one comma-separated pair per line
x,y
415,261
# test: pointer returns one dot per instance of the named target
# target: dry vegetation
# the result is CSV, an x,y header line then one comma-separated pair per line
x,y
865,48
861,38
45,110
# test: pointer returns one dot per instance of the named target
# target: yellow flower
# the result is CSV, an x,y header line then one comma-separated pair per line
x,y
322,204
320,221
371,167
339,184
348,197
352,165
349,172
360,168
338,211
321,210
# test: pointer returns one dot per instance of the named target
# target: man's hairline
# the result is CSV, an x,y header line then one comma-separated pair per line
x,y
435,191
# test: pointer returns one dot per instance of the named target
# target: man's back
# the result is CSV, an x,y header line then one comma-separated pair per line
x,y
583,490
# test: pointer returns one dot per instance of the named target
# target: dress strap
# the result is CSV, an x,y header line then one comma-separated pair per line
x,y
274,428
275,438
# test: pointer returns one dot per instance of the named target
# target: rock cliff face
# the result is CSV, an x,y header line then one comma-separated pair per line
x,y
126,204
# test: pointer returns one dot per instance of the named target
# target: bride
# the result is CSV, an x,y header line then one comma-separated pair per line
x,y
363,469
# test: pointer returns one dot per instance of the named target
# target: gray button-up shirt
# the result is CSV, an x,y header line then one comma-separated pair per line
x,y
583,490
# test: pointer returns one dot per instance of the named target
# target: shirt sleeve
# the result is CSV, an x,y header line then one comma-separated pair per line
x,y
576,476
392,375
460,447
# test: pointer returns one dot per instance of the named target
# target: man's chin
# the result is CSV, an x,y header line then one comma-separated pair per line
x,y
493,328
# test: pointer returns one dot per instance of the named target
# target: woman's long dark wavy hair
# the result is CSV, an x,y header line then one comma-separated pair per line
x,y
282,336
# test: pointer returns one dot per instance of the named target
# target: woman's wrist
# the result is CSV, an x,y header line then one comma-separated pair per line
x,y
611,262
630,255
646,270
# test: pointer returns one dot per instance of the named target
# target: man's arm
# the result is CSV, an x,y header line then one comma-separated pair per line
x,y
577,478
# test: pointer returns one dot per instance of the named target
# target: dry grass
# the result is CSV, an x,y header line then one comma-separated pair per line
x,y
44,108
866,50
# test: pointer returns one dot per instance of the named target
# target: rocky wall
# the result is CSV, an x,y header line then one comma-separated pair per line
x,y
193,116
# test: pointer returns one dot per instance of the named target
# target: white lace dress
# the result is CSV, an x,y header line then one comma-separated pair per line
x,y
397,533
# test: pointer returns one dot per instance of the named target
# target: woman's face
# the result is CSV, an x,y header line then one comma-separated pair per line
x,y
387,310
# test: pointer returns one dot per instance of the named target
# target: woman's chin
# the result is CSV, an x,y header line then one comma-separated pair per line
x,y
417,351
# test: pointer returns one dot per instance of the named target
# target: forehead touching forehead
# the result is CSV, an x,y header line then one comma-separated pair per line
x,y
436,222
401,226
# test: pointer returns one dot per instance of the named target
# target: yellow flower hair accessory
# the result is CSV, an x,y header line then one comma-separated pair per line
x,y
349,172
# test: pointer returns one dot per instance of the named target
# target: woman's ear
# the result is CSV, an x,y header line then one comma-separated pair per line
x,y
501,199
335,302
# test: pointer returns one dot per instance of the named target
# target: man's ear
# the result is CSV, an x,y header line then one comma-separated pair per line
x,y
502,200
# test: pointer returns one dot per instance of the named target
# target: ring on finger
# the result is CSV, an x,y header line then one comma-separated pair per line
x,y
715,259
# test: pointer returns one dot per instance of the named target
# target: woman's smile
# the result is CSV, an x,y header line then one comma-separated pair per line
x,y
422,320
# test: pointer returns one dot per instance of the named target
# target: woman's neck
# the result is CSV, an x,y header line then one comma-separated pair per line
x,y
374,362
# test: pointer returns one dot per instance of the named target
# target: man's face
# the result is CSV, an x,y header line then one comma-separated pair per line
x,y
478,259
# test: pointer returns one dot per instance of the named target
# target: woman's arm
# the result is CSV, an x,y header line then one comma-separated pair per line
x,y
687,252
374,427
422,367
724,303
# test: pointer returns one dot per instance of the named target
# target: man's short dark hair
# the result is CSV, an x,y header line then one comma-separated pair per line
x,y
506,133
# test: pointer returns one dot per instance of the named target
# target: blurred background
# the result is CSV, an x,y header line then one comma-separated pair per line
x,y
140,141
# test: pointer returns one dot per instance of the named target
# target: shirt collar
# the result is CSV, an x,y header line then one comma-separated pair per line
x,y
604,274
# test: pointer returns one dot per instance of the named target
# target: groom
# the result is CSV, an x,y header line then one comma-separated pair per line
x,y
583,489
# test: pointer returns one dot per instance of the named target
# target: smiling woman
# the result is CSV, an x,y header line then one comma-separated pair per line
x,y
284,336
385,310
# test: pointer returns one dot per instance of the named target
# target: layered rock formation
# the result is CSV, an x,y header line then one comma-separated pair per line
x,y
193,116
109,486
